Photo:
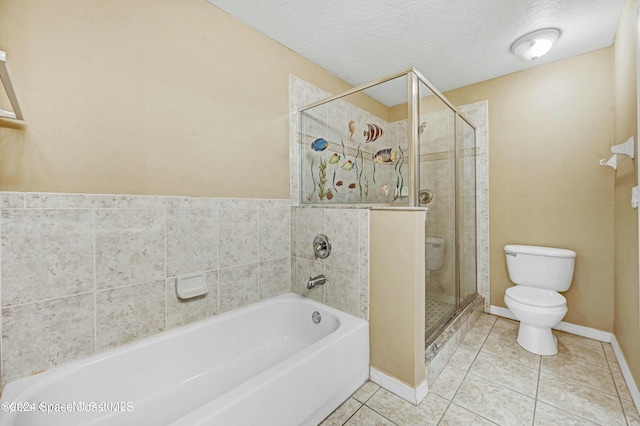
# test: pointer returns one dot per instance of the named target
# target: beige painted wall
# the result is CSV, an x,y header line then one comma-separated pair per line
x,y
167,97
396,296
175,97
626,297
548,128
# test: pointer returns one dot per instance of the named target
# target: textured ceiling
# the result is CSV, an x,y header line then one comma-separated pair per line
x,y
454,43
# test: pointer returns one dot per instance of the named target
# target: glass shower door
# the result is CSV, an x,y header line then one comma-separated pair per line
x,y
436,131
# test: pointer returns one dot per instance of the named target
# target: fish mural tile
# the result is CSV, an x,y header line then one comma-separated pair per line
x,y
387,155
344,164
319,144
372,133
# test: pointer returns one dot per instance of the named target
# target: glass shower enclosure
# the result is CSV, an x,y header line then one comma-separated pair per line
x,y
398,141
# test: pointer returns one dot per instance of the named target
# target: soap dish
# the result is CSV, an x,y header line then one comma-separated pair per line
x,y
190,286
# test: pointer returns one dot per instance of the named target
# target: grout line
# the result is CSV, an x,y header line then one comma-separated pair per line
x,y
166,269
257,242
450,402
217,225
94,213
1,305
379,413
615,384
535,400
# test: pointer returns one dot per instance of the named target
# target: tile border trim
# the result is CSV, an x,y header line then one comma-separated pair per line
x,y
401,389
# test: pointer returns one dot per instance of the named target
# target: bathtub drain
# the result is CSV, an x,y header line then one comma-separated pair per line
x,y
315,317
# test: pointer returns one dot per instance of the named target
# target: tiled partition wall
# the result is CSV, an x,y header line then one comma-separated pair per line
x,y
346,269
84,273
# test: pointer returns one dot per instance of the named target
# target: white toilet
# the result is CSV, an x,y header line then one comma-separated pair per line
x,y
434,250
539,274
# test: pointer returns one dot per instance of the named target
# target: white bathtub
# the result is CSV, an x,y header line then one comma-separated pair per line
x,y
264,364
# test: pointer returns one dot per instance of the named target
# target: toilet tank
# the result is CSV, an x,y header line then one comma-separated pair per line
x,y
434,249
542,267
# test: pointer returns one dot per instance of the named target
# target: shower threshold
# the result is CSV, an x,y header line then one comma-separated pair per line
x,y
460,321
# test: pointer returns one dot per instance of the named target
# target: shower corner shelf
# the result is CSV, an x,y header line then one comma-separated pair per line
x,y
16,114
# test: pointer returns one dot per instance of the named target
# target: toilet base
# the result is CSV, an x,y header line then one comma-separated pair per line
x,y
539,341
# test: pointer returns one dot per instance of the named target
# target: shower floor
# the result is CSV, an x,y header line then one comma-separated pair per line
x,y
436,310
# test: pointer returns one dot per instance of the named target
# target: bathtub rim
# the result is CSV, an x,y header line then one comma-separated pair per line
x,y
15,391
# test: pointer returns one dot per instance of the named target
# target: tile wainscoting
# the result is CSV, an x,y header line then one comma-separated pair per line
x,y
84,273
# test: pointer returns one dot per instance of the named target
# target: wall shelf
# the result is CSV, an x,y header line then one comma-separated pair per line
x,y
16,114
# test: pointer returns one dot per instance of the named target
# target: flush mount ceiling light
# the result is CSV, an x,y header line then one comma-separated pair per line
x,y
533,45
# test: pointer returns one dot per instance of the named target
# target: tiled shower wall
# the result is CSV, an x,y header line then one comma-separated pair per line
x,y
84,273
346,269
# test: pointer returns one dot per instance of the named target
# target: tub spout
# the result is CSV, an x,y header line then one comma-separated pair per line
x,y
317,280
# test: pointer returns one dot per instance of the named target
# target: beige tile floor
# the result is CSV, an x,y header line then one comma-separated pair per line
x,y
491,380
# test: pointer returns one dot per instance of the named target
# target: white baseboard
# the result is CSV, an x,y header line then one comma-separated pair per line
x,y
626,372
399,388
591,333
579,330
501,312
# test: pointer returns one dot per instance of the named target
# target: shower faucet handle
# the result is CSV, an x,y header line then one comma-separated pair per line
x,y
321,246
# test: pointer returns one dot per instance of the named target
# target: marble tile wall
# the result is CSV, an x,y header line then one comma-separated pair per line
x,y
346,269
84,273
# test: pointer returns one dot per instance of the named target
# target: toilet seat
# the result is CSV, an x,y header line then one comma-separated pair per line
x,y
536,297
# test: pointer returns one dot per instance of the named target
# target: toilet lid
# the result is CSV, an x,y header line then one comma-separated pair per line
x,y
536,296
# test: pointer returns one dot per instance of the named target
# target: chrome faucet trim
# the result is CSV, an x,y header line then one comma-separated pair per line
x,y
317,280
